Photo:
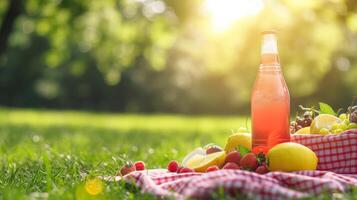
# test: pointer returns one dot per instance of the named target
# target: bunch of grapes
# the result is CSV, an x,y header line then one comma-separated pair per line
x,y
348,121
301,122
343,125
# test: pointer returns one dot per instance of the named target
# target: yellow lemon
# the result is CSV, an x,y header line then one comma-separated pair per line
x,y
323,121
305,130
290,157
242,139
200,163
197,151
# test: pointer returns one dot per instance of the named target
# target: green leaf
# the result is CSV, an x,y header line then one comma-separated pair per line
x,y
326,109
242,150
261,158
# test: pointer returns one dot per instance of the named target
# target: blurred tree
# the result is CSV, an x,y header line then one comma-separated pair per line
x,y
164,56
7,24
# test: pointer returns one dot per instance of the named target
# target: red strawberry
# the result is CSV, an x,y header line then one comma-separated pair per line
x,y
263,169
185,170
213,149
233,156
231,165
249,161
212,168
127,168
139,165
173,166
260,149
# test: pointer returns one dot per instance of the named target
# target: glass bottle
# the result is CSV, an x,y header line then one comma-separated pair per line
x,y
270,101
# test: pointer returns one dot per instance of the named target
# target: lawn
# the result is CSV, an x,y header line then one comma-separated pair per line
x,y
51,154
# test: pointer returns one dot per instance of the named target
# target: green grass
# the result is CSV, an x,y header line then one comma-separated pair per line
x,y
52,154
55,152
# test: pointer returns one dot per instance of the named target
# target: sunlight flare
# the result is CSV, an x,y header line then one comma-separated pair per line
x,y
225,12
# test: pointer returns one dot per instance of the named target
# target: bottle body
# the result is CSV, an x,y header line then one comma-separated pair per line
x,y
270,103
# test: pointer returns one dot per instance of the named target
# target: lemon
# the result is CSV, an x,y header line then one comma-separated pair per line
x,y
323,121
291,156
200,163
305,130
197,151
242,139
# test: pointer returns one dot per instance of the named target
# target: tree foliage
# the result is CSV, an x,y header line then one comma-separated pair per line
x,y
155,55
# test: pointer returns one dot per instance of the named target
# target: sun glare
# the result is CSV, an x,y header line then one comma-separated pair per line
x,y
225,12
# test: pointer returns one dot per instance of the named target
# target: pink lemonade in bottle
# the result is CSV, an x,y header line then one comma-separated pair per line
x,y
270,102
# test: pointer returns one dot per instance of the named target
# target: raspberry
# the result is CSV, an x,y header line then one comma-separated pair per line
x,y
233,156
139,165
173,166
263,169
212,168
231,165
127,168
185,170
249,161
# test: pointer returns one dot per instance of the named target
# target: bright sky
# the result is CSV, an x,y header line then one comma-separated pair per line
x,y
225,12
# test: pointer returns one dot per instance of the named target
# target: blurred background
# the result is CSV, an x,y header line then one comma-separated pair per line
x,y
172,56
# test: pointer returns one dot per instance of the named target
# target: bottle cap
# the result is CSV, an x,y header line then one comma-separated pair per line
x,y
270,45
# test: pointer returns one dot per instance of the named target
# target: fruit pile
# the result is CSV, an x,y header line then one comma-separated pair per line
x,y
238,155
212,158
215,158
324,121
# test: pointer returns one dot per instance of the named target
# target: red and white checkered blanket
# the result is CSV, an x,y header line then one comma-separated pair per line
x,y
337,172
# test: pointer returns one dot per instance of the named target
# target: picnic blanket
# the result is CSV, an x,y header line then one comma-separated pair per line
x,y
337,172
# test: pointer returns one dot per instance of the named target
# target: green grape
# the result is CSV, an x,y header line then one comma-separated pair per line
x,y
334,126
324,131
342,126
352,126
346,121
337,130
343,116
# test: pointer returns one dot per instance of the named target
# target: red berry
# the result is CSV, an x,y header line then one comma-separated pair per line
x,y
231,165
263,169
249,161
139,165
213,149
212,168
233,156
173,166
185,170
127,168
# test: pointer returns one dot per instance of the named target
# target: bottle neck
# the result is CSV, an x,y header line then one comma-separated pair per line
x,y
269,51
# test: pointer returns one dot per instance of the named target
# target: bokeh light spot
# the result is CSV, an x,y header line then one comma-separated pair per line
x,y
94,186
